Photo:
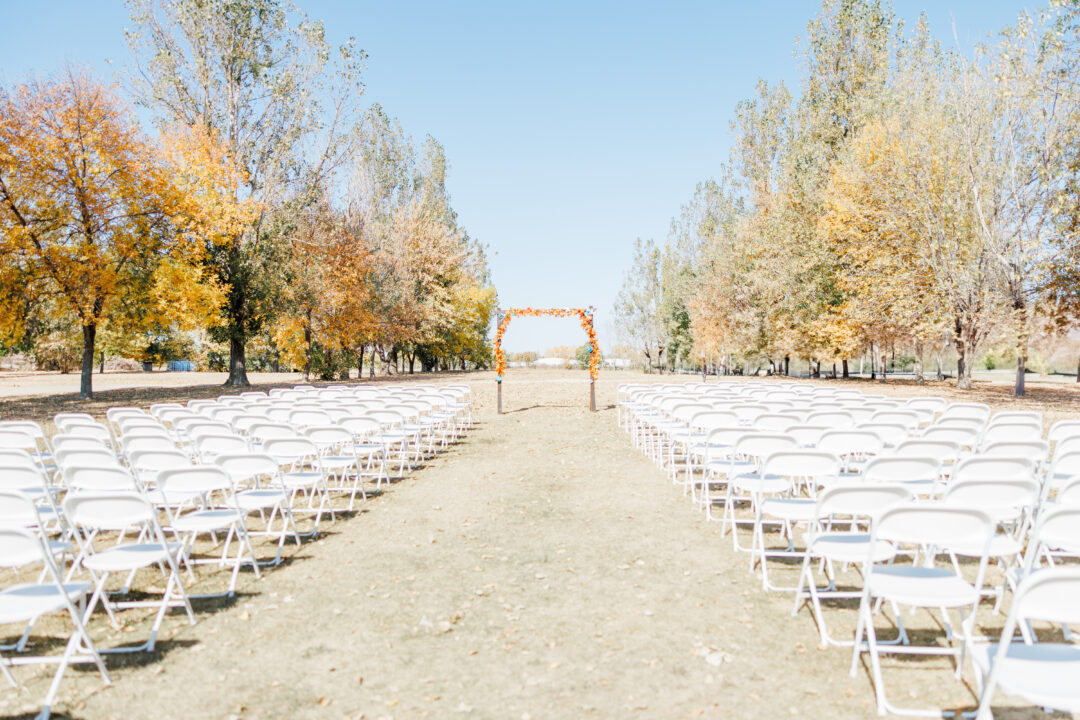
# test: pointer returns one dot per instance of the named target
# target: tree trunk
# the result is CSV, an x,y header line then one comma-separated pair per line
x,y
919,379
873,363
847,374
237,364
360,364
101,366
1021,368
787,365
86,385
344,373
963,367
371,365
834,371
412,362
307,353
940,369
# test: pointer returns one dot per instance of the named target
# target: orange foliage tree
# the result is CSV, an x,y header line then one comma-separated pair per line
x,y
94,219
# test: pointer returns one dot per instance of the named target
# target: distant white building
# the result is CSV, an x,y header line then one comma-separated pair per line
x,y
620,363
554,362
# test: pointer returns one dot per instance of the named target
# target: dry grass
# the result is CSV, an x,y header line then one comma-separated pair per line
x,y
540,568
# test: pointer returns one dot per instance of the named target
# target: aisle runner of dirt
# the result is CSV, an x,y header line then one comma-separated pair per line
x,y
542,569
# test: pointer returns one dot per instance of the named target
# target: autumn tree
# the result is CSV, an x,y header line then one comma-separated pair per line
x,y
281,98
93,221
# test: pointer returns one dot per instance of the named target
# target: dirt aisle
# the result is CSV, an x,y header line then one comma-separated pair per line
x,y
541,569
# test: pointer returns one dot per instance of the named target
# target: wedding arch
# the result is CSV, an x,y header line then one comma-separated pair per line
x,y
503,318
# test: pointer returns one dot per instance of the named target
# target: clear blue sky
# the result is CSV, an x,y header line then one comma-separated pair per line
x,y
571,127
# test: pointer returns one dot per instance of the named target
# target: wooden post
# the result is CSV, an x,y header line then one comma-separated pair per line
x,y
592,395
500,398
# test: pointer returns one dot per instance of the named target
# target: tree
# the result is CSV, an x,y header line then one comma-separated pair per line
x,y
90,218
637,309
281,99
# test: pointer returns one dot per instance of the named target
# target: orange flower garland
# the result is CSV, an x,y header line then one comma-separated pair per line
x,y
584,314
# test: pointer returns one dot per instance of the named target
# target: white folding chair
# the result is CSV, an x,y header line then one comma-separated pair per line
x,y
26,602
91,515
255,476
1043,673
850,506
930,529
216,511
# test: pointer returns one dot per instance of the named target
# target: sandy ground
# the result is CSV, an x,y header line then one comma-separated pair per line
x,y
540,569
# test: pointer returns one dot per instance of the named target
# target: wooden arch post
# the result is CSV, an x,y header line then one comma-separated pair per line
x,y
585,315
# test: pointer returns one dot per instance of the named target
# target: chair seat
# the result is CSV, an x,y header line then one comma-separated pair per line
x,y
206,520
129,557
300,479
847,547
260,498
920,586
1044,674
338,462
19,603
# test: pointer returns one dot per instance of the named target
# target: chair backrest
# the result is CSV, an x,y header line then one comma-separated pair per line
x,y
247,465
94,458
961,422
110,511
88,429
208,427
154,461
862,501
1057,529
850,442
266,431
944,450
774,422
1001,499
1068,495
806,435
938,525
19,547
29,479
993,468
909,419
290,450
1017,417
890,434
813,464
179,484
62,419
17,458
329,435
975,411
360,426
962,436
63,441
1036,451
87,478
901,469
836,419
211,445
1010,431
143,443
1063,429
1064,468
307,418
18,510
761,445
19,440
747,413
1052,594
